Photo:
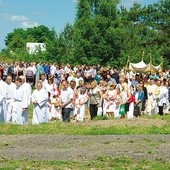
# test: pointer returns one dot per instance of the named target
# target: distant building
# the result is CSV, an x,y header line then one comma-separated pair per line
x,y
33,48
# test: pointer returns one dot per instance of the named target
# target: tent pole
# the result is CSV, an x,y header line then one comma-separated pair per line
x,y
143,53
126,67
150,63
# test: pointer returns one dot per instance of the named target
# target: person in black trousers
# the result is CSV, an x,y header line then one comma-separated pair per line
x,y
95,99
145,95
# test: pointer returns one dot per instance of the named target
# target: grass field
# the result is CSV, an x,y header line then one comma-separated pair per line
x,y
94,127
100,126
103,163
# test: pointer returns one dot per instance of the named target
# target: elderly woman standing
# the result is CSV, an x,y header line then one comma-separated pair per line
x,y
95,99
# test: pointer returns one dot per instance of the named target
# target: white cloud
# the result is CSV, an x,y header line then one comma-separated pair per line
x,y
129,3
28,24
22,20
18,18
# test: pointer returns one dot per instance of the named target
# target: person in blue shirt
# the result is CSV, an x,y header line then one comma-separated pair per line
x,y
153,76
110,79
139,96
46,69
39,71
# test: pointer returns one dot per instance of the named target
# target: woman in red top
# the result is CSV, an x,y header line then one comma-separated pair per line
x,y
1,71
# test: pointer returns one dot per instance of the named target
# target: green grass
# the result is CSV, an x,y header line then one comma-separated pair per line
x,y
102,118
80,129
156,116
102,162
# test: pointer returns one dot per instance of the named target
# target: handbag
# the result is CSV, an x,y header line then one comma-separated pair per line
x,y
136,112
132,99
122,109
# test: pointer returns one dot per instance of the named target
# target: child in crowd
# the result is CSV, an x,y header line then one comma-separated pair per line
x,y
80,101
55,107
118,102
110,97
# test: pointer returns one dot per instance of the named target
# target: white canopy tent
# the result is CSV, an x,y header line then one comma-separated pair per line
x,y
138,67
143,67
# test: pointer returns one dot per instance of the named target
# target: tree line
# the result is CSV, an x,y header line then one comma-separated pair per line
x,y
103,32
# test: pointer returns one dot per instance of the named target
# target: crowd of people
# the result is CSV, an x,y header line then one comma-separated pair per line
x,y
61,92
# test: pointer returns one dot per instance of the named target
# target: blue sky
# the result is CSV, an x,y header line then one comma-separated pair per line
x,y
52,13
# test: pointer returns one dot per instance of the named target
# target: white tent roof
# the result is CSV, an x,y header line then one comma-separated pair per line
x,y
138,67
142,67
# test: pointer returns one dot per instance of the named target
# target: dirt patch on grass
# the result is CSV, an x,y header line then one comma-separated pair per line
x,y
125,122
82,148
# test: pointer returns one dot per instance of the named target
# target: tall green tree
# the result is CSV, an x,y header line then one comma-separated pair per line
x,y
91,44
103,33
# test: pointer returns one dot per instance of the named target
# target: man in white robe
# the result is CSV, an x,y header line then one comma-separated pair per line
x,y
162,97
39,99
153,93
26,98
10,97
3,106
18,106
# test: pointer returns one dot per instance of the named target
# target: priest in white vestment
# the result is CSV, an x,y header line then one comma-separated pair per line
x,y
39,99
10,97
3,106
18,105
153,93
162,97
26,87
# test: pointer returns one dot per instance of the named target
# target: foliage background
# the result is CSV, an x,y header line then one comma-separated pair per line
x,y
102,33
